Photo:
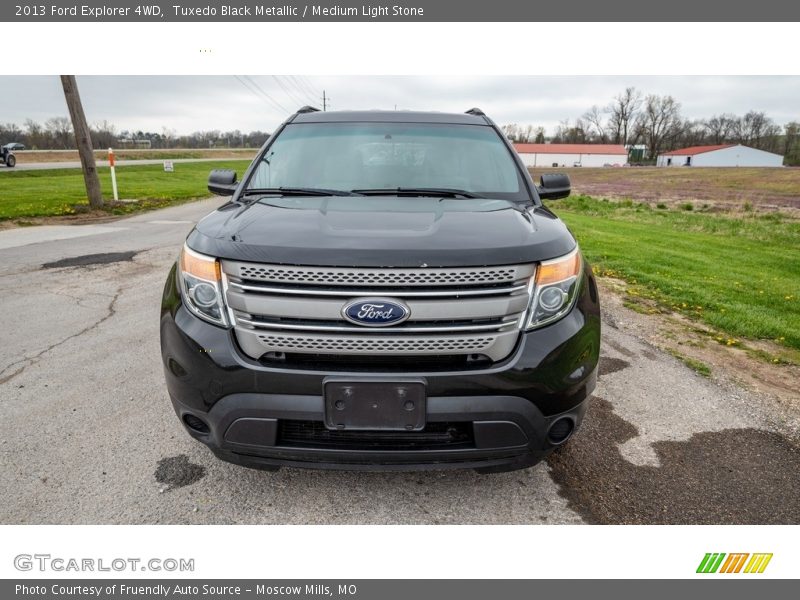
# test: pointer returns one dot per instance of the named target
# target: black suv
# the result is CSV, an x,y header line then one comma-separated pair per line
x,y
384,290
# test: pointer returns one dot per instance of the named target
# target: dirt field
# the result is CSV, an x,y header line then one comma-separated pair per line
x,y
40,156
720,188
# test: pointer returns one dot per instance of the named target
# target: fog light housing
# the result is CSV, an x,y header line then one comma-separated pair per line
x,y
560,430
195,423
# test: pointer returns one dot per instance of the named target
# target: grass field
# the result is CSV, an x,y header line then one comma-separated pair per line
x,y
705,188
61,191
43,156
739,275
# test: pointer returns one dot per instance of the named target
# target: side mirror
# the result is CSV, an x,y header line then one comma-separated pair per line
x,y
554,186
222,182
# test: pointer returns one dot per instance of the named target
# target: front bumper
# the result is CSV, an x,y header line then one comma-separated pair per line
x,y
503,412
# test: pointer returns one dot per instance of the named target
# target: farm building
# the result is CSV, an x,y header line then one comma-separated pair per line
x,y
571,155
722,155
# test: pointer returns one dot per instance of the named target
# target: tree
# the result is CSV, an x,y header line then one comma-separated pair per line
x,y
570,134
720,127
83,138
594,121
659,124
511,131
60,130
10,132
791,143
34,134
623,111
104,135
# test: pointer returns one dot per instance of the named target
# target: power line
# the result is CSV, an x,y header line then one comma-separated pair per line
x,y
296,82
265,94
310,86
272,102
286,91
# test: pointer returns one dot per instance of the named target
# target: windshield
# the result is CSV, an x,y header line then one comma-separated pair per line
x,y
378,156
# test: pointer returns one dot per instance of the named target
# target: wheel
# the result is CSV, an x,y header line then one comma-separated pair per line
x,y
11,161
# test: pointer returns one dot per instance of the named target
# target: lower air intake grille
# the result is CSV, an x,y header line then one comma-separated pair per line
x,y
435,436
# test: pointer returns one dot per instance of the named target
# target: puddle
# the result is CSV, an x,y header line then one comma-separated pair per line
x,y
611,365
177,471
86,260
735,476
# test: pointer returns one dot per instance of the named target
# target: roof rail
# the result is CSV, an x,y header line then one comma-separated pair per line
x,y
475,111
308,109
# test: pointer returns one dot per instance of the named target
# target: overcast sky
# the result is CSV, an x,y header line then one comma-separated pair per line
x,y
189,103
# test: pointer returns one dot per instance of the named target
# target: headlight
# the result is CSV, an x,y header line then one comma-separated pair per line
x,y
201,286
555,288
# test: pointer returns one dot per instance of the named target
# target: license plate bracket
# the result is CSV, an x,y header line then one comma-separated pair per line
x,y
375,405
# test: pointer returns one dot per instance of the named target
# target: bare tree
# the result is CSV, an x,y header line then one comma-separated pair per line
x,y
570,134
104,135
720,127
595,125
10,132
527,135
60,129
659,124
511,131
622,112
695,133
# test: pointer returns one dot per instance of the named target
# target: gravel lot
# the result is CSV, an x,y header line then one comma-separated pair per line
x,y
88,434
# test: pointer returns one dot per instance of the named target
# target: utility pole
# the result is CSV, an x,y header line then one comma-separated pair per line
x,y
83,138
325,101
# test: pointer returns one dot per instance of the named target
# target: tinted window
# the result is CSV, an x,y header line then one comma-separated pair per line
x,y
348,156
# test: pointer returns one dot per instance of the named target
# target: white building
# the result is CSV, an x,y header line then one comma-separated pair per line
x,y
571,155
722,155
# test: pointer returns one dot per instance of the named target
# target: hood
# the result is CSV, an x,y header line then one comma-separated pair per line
x,y
381,231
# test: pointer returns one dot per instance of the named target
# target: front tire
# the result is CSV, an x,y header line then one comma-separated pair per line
x,y
11,161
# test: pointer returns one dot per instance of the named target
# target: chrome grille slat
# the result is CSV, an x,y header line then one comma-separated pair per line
x,y
348,293
383,277
398,345
454,311
497,326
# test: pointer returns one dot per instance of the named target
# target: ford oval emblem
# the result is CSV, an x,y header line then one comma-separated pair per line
x,y
376,312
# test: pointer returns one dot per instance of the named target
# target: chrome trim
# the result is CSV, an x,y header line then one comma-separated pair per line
x,y
350,293
387,330
378,277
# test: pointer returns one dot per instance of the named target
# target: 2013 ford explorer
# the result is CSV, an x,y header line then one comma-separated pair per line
x,y
384,290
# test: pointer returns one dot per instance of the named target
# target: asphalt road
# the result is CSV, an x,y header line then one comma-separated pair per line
x,y
87,433
75,164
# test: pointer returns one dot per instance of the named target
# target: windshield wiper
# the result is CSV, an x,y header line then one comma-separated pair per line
x,y
408,191
295,191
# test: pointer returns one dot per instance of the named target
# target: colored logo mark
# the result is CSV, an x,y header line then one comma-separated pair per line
x,y
719,562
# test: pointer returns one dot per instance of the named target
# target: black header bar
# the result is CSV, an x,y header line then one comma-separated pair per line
x,y
404,11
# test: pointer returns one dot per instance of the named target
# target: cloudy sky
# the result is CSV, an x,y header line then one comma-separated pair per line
x,y
188,103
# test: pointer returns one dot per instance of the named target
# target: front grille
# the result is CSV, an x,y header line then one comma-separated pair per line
x,y
381,345
453,311
375,277
435,436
